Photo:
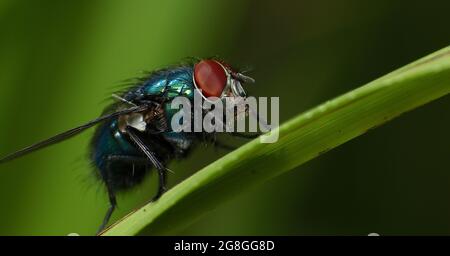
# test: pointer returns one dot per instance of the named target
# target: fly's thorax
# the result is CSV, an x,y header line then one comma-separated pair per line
x,y
171,83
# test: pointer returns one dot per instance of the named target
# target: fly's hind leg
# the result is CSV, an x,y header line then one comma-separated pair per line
x,y
112,207
109,186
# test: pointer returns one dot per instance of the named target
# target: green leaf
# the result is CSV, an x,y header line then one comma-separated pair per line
x,y
303,138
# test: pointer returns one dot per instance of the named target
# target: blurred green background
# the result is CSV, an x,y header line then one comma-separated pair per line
x,y
60,61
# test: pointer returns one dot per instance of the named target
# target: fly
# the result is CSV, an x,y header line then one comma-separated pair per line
x,y
133,135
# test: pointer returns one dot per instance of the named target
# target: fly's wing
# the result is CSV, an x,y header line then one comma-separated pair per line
x,y
70,133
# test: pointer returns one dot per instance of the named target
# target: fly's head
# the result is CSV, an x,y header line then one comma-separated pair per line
x,y
217,80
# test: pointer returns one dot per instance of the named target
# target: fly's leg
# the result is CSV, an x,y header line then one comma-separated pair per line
x,y
134,136
112,207
222,145
245,135
261,121
240,134
219,144
162,184
216,142
111,194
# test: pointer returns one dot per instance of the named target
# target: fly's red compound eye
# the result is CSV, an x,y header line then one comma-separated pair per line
x,y
210,77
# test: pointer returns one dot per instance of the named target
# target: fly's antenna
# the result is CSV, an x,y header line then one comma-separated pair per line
x,y
117,97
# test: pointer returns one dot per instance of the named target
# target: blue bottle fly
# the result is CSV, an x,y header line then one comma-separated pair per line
x,y
133,136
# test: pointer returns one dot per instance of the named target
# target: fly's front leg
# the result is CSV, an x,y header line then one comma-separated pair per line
x,y
245,135
222,145
239,134
134,136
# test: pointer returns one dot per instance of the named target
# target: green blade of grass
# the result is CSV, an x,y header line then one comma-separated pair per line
x,y
301,139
